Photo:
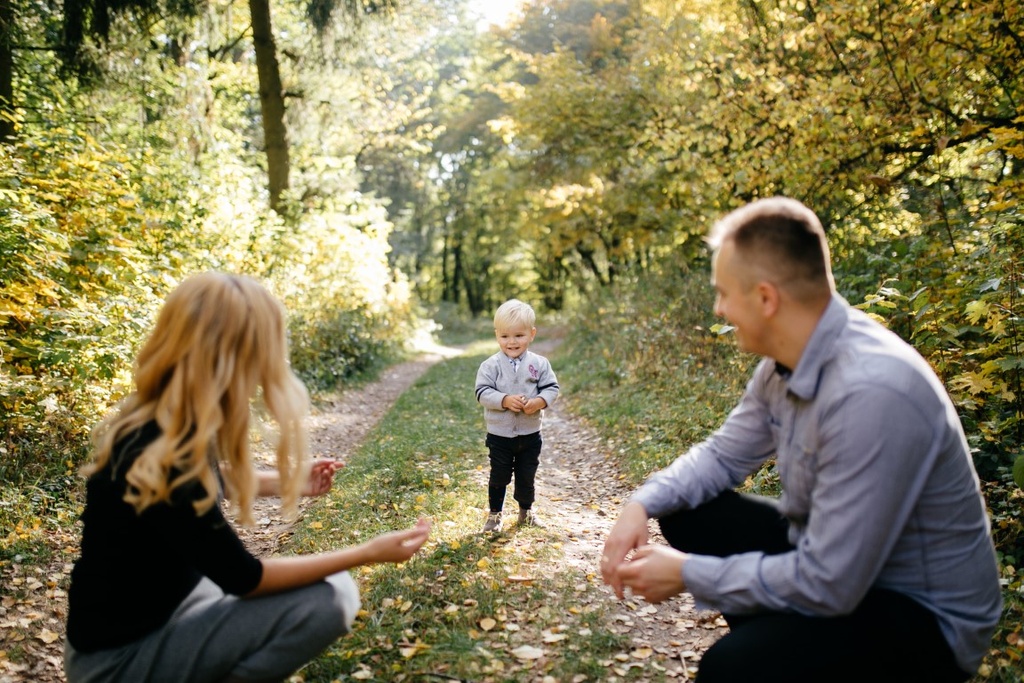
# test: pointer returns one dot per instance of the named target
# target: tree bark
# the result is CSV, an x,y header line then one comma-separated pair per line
x,y
275,135
6,69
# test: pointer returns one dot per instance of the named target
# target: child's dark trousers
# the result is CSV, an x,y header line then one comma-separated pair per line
x,y
516,456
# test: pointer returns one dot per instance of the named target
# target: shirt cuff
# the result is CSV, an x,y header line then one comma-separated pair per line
x,y
700,573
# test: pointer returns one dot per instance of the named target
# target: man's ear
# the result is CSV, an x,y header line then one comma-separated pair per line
x,y
769,296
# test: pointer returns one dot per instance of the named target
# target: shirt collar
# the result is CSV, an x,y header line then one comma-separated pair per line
x,y
804,379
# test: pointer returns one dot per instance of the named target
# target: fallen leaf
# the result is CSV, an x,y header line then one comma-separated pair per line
x,y
48,636
641,653
528,652
413,650
487,623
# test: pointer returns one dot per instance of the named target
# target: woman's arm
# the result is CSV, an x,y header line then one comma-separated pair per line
x,y
285,573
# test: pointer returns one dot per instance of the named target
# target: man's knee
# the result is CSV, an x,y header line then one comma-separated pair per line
x,y
725,663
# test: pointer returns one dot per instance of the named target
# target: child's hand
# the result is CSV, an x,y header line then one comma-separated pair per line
x,y
534,405
514,403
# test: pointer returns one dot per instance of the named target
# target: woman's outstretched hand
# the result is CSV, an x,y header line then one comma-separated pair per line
x,y
399,546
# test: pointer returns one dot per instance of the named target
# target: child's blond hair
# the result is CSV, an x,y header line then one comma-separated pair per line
x,y
514,312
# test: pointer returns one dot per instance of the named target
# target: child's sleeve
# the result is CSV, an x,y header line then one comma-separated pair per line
x,y
547,383
487,392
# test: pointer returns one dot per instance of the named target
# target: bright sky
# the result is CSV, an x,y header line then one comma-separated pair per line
x,y
492,11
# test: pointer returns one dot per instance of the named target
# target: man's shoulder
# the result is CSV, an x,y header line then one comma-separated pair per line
x,y
870,354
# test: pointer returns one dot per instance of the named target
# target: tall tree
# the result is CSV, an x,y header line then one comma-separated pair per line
x,y
275,133
6,69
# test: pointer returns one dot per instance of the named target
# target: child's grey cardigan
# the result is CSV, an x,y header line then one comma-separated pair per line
x,y
496,379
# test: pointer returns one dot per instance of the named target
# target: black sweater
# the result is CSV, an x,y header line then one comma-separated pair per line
x,y
135,569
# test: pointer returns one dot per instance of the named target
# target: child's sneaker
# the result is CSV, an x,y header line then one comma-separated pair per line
x,y
529,518
493,523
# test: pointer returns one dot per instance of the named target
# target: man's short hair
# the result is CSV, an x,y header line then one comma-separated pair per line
x,y
783,242
514,312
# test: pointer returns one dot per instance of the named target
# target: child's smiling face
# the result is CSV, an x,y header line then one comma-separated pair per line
x,y
515,340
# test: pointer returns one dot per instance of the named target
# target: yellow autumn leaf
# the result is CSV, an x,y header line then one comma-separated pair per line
x,y
487,623
48,636
483,563
641,653
976,310
413,650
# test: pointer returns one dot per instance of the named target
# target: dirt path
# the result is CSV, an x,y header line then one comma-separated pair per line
x,y
579,496
580,491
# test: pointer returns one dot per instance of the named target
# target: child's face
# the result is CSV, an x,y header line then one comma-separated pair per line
x,y
515,340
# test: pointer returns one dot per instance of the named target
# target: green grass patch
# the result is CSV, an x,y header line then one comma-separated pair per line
x,y
468,606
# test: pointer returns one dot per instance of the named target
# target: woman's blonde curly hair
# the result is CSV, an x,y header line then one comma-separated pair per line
x,y
218,339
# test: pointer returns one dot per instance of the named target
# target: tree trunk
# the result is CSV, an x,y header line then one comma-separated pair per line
x,y
275,135
6,69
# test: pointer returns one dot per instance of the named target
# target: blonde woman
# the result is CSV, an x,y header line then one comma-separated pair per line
x,y
164,589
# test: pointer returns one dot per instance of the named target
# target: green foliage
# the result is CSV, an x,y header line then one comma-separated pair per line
x,y
110,197
82,274
965,320
643,364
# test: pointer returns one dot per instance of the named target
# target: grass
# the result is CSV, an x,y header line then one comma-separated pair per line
x,y
468,607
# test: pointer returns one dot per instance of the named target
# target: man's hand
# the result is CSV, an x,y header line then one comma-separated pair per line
x,y
628,534
321,476
655,573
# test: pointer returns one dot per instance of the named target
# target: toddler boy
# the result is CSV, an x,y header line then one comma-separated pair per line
x,y
514,386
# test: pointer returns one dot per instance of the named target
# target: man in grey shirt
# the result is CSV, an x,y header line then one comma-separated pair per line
x,y
876,563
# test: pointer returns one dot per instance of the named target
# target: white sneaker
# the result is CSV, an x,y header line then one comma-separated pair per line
x,y
493,523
